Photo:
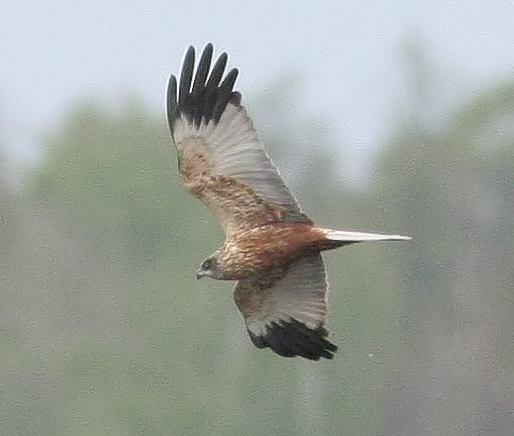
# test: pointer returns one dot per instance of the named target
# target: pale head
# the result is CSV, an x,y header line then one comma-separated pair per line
x,y
210,267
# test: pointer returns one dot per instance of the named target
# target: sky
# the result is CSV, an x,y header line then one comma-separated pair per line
x,y
346,55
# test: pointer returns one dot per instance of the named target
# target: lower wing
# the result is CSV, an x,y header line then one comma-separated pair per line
x,y
286,310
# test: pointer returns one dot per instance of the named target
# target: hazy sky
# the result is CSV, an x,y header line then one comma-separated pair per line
x,y
347,53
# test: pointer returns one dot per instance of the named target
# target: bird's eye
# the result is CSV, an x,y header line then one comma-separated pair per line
x,y
206,264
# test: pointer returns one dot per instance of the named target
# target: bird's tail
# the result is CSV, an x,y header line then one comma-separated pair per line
x,y
342,238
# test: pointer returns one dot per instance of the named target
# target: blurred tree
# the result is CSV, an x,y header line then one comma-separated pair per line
x,y
128,342
449,185
106,331
113,176
8,211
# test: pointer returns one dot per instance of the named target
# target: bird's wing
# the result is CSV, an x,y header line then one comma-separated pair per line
x,y
286,310
221,160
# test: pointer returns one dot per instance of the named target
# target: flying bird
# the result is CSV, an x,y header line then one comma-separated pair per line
x,y
272,249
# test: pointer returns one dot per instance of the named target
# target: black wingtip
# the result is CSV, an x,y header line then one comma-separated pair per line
x,y
201,97
230,80
203,69
171,101
217,71
224,93
186,75
235,98
293,338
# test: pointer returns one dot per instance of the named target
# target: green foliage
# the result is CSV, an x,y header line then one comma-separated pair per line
x,y
113,176
450,186
9,214
106,331
145,349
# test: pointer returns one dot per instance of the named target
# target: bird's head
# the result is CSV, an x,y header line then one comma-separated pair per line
x,y
210,267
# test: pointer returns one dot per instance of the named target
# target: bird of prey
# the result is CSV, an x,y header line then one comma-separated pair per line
x,y
272,248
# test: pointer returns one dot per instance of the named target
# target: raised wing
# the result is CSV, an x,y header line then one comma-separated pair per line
x,y
221,160
286,310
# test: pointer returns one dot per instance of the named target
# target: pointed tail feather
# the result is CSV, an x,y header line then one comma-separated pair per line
x,y
338,235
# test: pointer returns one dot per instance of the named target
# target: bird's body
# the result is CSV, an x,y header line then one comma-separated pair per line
x,y
271,248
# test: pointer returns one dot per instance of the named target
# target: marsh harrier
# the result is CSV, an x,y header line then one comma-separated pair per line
x,y
271,248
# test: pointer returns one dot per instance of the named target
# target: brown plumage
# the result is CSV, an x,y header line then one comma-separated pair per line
x,y
272,248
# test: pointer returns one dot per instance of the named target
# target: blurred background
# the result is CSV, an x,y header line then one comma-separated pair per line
x,y
384,116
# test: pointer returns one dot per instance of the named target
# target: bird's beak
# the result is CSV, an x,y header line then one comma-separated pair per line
x,y
200,274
